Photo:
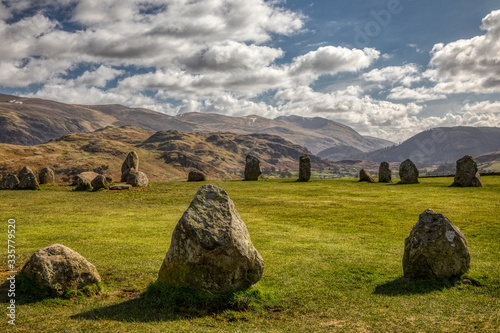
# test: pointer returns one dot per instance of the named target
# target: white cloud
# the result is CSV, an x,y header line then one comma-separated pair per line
x,y
99,77
231,55
420,94
350,106
470,65
331,60
404,75
483,107
17,40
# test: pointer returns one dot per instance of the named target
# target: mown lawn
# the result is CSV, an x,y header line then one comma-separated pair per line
x,y
332,250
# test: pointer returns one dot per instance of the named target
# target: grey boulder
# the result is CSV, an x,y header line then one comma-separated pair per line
x,y
196,176
435,249
120,187
46,176
58,269
138,178
466,173
364,176
9,182
100,182
408,172
27,179
211,249
82,183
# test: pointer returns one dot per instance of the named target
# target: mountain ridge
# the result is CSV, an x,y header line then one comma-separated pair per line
x,y
29,121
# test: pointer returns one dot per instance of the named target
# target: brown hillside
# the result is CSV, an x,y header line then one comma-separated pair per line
x,y
163,155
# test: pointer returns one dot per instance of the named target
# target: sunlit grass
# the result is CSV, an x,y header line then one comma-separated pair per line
x,y
332,252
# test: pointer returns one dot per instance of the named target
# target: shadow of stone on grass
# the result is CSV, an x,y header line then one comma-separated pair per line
x,y
163,302
26,291
134,310
402,286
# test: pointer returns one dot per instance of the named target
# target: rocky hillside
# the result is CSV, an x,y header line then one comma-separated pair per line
x,y
164,155
29,121
441,145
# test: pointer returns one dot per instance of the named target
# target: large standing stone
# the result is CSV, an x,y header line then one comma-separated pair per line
x,y
27,179
304,168
364,176
100,182
46,176
196,176
384,173
211,249
58,269
131,161
435,249
408,172
252,168
467,173
9,182
138,178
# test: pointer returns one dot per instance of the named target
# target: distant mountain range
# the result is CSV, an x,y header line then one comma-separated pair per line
x,y
440,145
30,121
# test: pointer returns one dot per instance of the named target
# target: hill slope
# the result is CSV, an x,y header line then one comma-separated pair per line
x,y
441,145
29,121
163,155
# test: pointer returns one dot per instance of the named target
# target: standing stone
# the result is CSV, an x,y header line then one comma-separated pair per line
x,y
435,249
211,249
58,269
24,171
408,172
252,168
9,182
46,176
131,161
304,168
100,182
384,173
364,176
27,179
196,176
466,173
82,184
138,178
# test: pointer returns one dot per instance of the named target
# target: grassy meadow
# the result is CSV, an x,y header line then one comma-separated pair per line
x,y
332,249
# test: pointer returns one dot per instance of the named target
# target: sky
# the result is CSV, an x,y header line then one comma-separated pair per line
x,y
387,68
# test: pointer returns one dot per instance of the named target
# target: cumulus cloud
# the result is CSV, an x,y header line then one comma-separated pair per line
x,y
231,55
220,56
420,94
99,77
482,107
404,75
331,60
470,65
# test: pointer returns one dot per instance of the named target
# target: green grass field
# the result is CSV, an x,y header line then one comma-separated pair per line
x,y
332,250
